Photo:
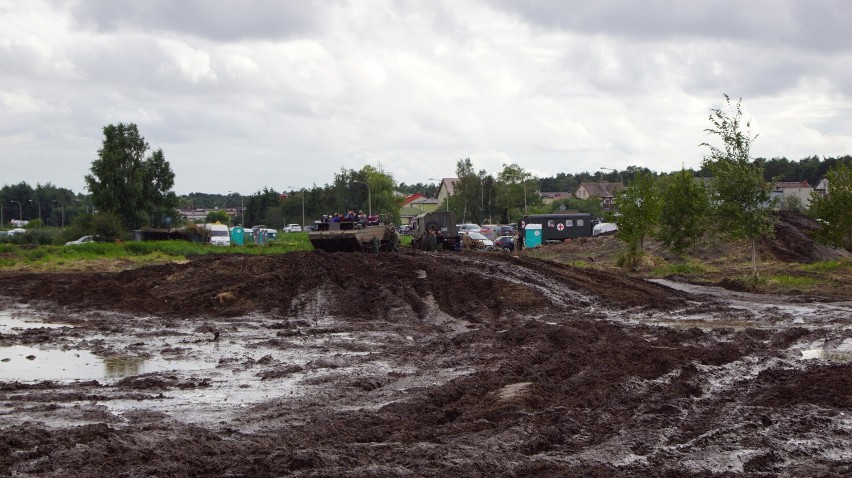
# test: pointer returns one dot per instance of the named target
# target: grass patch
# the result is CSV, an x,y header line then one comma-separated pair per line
x,y
112,256
793,281
828,266
682,268
745,282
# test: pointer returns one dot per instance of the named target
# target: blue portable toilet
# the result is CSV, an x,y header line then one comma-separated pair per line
x,y
532,235
237,235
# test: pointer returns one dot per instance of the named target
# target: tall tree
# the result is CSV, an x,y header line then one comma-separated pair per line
x,y
468,195
739,195
638,210
835,208
514,191
683,217
124,182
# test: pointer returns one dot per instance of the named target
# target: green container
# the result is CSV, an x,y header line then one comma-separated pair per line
x,y
238,235
532,235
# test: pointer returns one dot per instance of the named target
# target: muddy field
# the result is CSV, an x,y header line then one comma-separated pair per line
x,y
415,364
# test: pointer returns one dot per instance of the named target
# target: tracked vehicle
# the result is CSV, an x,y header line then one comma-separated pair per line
x,y
350,237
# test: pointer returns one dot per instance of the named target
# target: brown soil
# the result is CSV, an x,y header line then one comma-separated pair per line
x,y
729,263
424,364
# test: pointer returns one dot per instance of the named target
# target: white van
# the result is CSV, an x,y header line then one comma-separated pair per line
x,y
219,234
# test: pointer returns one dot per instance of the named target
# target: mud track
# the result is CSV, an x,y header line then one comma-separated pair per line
x,y
417,364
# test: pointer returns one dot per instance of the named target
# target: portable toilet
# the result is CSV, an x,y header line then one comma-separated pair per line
x,y
238,235
532,235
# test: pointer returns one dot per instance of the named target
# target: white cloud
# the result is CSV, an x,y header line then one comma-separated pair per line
x,y
268,93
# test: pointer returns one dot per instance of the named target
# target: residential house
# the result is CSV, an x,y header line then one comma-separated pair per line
x,y
446,189
552,197
792,191
604,191
415,204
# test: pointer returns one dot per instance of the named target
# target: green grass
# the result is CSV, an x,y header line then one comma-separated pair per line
x,y
827,266
682,268
59,257
793,281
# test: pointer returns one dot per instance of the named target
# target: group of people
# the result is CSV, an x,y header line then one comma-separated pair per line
x,y
351,216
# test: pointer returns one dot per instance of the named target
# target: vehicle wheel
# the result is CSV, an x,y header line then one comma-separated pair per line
x,y
507,249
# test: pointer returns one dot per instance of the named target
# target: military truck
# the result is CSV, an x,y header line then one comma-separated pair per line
x,y
442,223
348,236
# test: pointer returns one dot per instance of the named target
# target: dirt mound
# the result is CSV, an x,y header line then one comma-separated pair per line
x,y
793,241
467,285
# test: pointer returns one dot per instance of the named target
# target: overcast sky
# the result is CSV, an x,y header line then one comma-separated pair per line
x,y
246,94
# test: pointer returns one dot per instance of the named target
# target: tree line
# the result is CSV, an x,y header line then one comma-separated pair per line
x,y
731,197
130,186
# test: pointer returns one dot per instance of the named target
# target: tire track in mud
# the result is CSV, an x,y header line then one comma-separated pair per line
x,y
418,364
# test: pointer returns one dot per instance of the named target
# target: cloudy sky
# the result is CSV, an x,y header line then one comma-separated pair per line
x,y
246,94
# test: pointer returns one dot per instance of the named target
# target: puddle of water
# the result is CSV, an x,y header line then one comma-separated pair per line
x,y
27,364
830,355
9,324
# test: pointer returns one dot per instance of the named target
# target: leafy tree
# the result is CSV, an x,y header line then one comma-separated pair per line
x,y
739,194
591,206
125,183
638,210
516,190
263,207
107,226
468,197
835,209
683,217
219,215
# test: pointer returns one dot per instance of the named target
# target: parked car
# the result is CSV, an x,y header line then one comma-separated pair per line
x,y
506,230
17,230
489,230
404,230
292,228
479,237
465,228
506,243
82,240
310,228
604,228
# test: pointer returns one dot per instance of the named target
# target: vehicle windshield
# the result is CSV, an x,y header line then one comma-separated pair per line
x,y
218,233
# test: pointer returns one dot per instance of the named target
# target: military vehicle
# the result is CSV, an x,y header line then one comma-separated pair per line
x,y
442,223
347,236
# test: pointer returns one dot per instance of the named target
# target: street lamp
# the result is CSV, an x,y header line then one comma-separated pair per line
x,y
369,200
242,209
20,210
39,209
303,204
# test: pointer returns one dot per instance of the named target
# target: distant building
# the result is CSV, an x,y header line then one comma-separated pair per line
x,y
603,191
415,204
822,187
552,197
446,189
199,215
785,191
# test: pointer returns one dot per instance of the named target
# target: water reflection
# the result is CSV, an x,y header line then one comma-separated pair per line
x,y
120,367
27,364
